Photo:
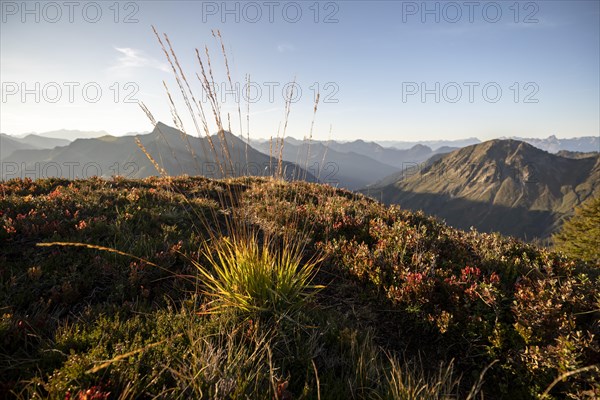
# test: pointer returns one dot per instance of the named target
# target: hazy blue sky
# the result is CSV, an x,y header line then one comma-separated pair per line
x,y
370,59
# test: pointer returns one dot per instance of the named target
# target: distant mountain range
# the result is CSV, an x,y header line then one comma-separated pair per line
x,y
72,134
348,170
175,152
399,158
67,134
551,144
9,144
433,144
516,187
507,186
381,150
358,164
351,165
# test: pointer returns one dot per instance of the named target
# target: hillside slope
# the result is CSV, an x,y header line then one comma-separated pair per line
x,y
397,286
43,142
9,145
500,185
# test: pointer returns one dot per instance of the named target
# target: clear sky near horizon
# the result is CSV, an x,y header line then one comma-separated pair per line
x,y
386,70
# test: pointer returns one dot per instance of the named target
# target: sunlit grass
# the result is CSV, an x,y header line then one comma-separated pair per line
x,y
253,275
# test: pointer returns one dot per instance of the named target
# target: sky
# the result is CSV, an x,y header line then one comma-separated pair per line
x,y
385,70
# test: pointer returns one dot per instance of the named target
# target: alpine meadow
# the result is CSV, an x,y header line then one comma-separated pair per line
x,y
300,200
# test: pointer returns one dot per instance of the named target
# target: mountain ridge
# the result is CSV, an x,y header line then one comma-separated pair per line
x,y
120,155
478,185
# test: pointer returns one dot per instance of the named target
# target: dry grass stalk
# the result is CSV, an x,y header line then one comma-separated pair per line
x,y
288,106
179,77
312,125
160,169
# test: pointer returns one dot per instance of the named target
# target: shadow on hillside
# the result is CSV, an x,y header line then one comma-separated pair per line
x,y
464,214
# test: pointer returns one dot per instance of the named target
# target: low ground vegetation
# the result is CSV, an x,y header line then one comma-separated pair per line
x,y
378,302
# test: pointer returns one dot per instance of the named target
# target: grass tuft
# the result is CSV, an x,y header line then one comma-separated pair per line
x,y
250,275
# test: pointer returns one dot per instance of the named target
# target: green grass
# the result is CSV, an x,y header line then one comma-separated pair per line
x,y
255,277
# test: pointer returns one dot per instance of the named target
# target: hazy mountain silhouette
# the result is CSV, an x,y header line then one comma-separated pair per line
x,y
67,134
42,142
398,158
343,169
9,144
175,152
500,185
351,165
433,144
552,144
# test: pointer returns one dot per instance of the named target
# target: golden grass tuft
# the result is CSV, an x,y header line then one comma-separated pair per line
x,y
252,275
